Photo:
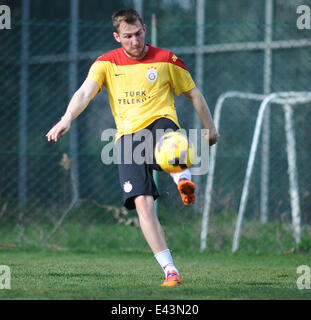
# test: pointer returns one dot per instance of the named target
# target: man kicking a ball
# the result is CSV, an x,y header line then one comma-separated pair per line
x,y
140,80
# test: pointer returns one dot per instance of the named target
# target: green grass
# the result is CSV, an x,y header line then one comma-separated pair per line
x,y
129,275
84,235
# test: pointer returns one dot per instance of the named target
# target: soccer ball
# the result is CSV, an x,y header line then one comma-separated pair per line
x,y
174,152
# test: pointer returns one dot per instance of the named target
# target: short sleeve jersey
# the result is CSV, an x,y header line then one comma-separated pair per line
x,y
141,90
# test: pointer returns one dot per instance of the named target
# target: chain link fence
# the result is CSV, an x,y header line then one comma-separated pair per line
x,y
61,195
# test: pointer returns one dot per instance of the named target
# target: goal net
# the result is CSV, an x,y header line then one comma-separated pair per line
x,y
258,187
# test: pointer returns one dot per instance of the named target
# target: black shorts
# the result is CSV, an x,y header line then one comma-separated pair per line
x,y
136,161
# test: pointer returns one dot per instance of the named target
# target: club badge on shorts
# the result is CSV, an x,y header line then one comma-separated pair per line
x,y
127,187
152,75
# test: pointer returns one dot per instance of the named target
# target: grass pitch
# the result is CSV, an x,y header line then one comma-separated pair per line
x,y
127,275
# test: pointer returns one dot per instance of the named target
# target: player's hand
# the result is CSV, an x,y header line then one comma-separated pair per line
x,y
211,136
59,130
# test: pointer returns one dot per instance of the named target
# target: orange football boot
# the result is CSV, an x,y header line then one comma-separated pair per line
x,y
172,279
186,189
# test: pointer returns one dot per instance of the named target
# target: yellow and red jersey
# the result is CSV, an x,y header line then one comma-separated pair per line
x,y
141,90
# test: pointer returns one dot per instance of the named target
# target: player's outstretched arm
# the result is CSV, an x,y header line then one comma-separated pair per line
x,y
200,105
77,104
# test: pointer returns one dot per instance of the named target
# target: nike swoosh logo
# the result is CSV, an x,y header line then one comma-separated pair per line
x,y
119,74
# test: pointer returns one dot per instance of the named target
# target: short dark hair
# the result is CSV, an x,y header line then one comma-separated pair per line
x,y
127,15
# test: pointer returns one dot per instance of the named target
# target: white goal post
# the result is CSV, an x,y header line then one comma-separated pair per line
x,y
287,100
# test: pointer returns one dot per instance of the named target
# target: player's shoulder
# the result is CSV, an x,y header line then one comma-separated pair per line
x,y
158,53
112,56
165,55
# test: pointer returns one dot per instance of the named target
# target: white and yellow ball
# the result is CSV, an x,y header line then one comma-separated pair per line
x,y
174,152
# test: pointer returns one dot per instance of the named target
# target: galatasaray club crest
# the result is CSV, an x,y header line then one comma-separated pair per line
x,y
152,75
127,186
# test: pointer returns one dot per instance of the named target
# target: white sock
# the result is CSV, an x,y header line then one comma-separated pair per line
x,y
186,174
165,260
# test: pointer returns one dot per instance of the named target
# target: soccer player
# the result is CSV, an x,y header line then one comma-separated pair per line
x,y
140,80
